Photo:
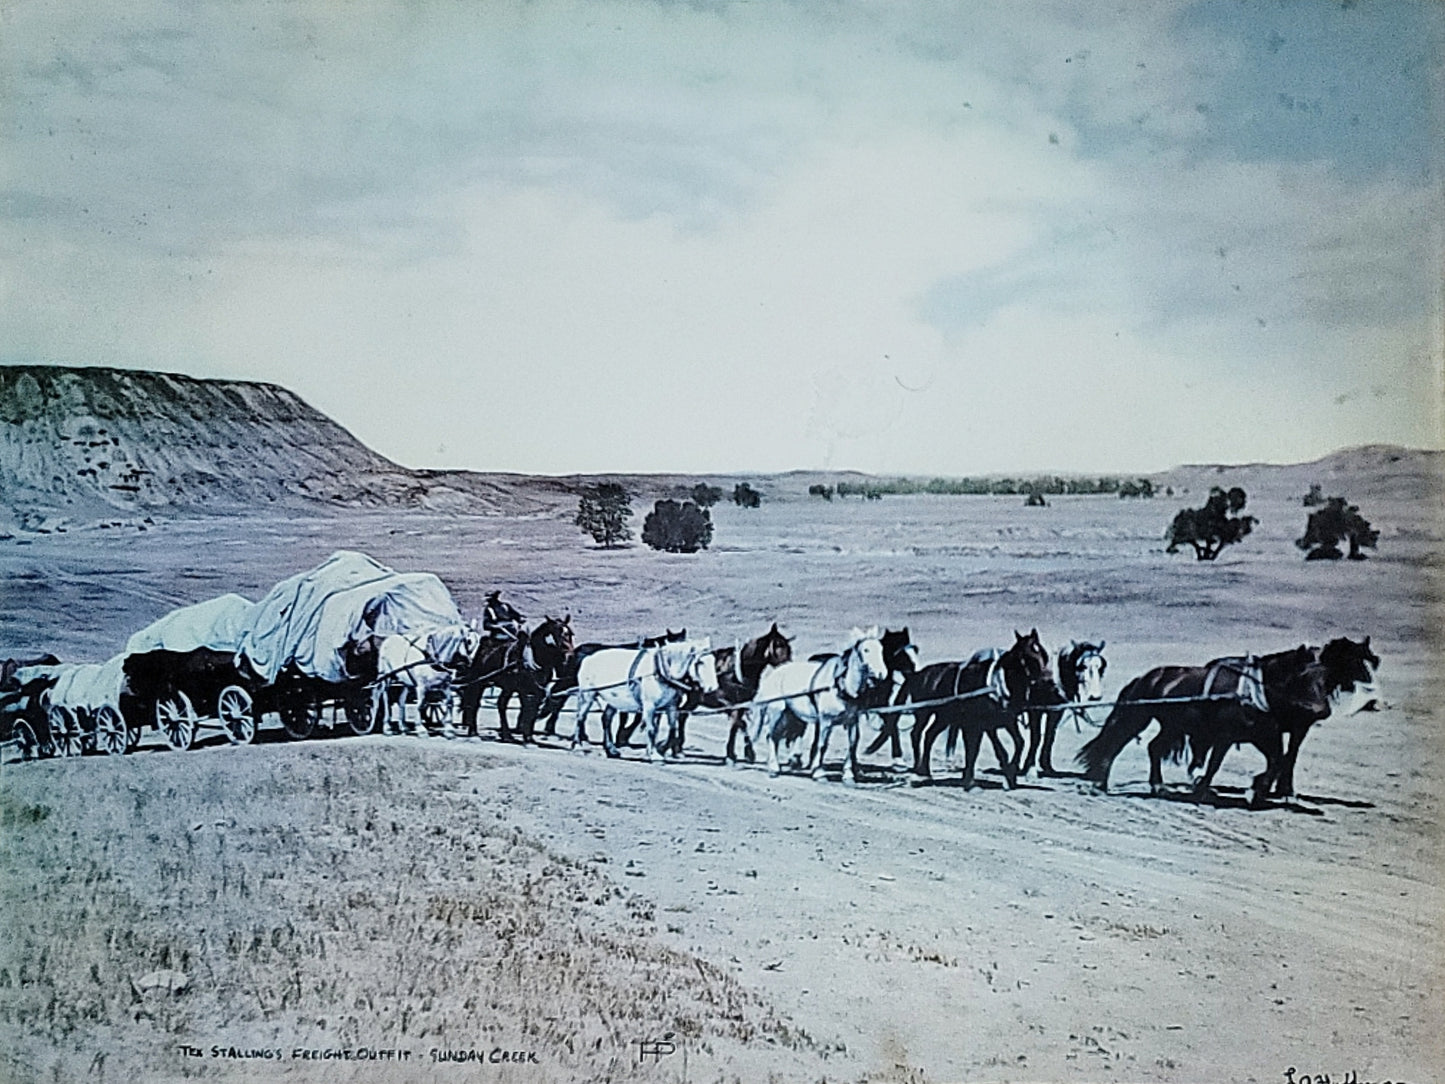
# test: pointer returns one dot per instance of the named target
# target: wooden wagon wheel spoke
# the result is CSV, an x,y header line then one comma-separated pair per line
x,y
300,715
66,736
176,719
111,734
361,711
437,715
236,710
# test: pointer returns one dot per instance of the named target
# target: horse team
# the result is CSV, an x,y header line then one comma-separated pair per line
x,y
780,703
792,707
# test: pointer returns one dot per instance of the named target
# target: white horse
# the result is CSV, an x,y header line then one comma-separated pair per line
x,y
822,694
417,666
650,681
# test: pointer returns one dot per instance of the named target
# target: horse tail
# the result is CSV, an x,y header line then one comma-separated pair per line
x,y
1125,723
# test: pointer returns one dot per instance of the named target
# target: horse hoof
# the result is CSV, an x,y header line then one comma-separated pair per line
x,y
918,779
773,773
849,781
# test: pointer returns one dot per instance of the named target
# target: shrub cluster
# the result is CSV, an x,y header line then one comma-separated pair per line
x,y
677,528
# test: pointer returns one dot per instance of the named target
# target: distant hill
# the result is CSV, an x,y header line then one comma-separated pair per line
x,y
88,444
1370,471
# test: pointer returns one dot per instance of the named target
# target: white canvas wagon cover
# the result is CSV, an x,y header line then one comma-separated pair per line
x,y
216,624
90,685
310,618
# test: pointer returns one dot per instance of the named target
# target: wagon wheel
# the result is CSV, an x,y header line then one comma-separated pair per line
x,y
236,710
132,738
363,711
176,719
66,736
299,715
437,715
25,740
112,736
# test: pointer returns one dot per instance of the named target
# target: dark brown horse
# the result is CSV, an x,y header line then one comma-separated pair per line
x,y
984,695
1209,709
524,666
738,671
1081,679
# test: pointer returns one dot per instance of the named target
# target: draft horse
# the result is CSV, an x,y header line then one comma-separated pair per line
x,y
823,694
652,681
1081,669
524,665
739,669
982,696
1270,697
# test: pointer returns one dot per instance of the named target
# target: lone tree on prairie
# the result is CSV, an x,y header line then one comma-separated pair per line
x,y
677,528
705,496
1334,523
745,496
603,511
1211,528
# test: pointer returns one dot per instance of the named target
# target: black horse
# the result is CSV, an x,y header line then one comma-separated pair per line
x,y
1346,666
1208,709
524,666
901,656
1081,675
986,694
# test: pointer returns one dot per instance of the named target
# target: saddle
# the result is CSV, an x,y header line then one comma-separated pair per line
x,y
1236,677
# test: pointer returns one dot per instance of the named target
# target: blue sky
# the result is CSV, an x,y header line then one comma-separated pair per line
x,y
926,238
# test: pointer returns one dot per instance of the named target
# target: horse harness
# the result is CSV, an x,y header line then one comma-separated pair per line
x,y
1239,678
842,672
634,682
995,684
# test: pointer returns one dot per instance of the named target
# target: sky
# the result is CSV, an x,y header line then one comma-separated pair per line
x,y
605,236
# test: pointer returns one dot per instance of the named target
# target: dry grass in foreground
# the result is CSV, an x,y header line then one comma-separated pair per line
x,y
333,895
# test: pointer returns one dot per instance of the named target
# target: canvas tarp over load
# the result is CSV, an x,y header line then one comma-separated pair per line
x,y
216,624
90,685
308,620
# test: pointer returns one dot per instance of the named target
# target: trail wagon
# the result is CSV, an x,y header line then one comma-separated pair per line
x,y
24,719
181,675
310,646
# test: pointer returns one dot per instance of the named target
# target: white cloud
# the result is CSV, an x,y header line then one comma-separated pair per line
x,y
631,236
